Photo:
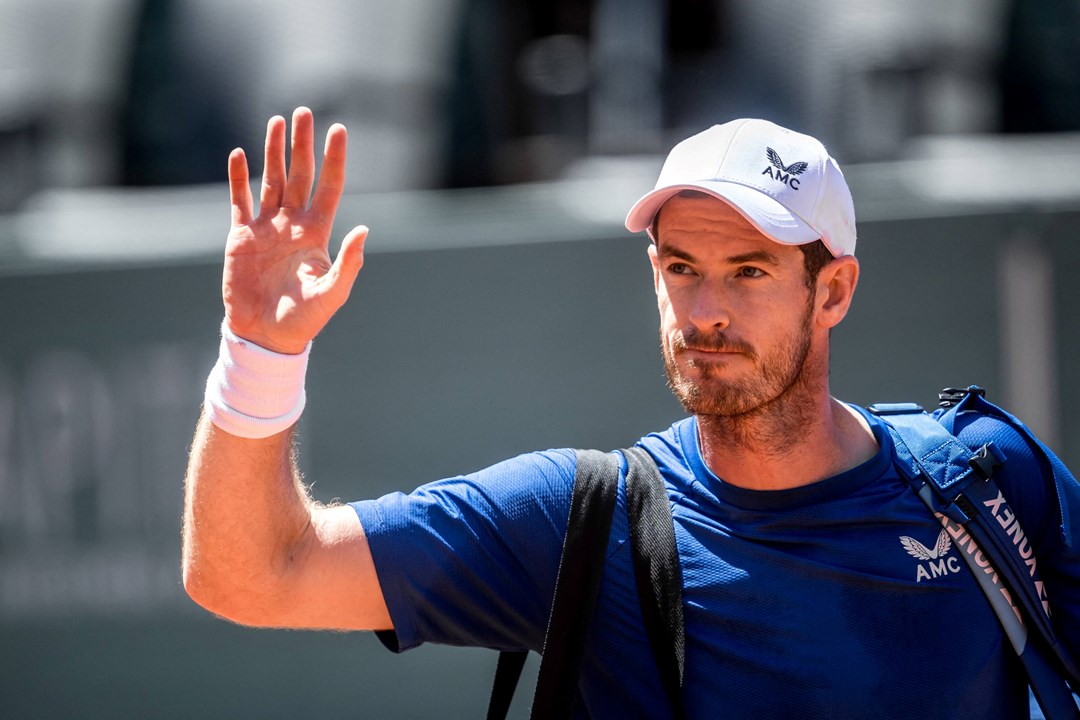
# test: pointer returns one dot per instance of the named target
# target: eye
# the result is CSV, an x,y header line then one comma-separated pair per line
x,y
749,271
679,268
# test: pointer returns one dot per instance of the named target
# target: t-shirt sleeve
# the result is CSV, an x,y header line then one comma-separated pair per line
x,y
1046,499
472,560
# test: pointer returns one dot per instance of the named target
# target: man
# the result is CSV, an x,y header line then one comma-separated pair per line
x,y
802,597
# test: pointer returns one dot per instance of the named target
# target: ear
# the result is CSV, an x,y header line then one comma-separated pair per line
x,y
654,258
835,289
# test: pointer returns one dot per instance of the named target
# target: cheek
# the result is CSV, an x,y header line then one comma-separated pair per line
x,y
663,302
666,310
777,309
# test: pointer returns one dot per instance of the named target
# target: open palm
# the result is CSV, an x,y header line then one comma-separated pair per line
x,y
280,286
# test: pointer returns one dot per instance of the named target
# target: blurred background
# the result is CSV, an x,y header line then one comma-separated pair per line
x,y
494,150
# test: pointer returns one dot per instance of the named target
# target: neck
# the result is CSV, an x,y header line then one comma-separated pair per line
x,y
800,437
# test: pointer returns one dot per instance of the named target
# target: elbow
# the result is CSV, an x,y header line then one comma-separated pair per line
x,y
220,601
209,592
192,574
200,587
231,595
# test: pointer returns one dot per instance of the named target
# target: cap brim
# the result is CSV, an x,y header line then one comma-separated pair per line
x,y
766,214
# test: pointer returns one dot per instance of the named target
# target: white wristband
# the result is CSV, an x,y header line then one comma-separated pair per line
x,y
253,392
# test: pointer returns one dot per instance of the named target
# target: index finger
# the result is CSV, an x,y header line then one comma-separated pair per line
x,y
239,188
332,175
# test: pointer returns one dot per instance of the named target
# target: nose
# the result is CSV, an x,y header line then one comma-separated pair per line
x,y
710,310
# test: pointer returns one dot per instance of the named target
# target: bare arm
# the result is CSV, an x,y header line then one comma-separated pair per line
x,y
256,548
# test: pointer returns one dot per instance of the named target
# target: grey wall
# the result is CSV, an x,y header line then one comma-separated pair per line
x,y
442,362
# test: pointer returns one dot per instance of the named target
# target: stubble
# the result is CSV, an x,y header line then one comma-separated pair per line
x,y
764,410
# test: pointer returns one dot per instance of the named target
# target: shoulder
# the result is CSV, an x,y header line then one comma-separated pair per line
x,y
975,429
675,449
468,559
540,472
1031,477
537,484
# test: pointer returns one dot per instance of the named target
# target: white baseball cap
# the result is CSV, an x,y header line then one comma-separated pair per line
x,y
783,182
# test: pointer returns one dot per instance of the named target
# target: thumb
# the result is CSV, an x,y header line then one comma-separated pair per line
x,y
347,264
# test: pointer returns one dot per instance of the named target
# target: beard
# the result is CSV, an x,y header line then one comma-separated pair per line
x,y
773,377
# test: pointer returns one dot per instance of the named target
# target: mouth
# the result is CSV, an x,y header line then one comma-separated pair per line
x,y
709,353
709,361
710,343
721,348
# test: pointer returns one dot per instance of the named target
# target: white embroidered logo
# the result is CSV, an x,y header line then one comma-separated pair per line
x,y
934,564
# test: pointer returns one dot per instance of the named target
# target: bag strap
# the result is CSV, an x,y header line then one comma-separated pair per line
x,y
963,485
576,588
958,486
507,674
657,571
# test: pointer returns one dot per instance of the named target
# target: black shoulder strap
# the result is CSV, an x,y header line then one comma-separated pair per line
x,y
657,570
507,674
576,588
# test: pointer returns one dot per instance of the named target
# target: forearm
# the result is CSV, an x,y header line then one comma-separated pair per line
x,y
256,548
245,514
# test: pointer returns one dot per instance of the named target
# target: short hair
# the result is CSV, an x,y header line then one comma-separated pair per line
x,y
815,254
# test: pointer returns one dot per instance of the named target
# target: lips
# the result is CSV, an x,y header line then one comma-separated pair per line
x,y
713,350
703,358
714,345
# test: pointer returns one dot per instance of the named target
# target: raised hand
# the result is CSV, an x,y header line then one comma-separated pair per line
x,y
279,285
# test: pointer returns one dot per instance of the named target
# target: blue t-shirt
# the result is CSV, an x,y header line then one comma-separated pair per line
x,y
805,602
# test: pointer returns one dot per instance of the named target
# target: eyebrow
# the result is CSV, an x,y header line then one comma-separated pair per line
x,y
759,256
666,251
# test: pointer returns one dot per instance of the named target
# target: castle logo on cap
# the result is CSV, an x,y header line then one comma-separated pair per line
x,y
785,174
